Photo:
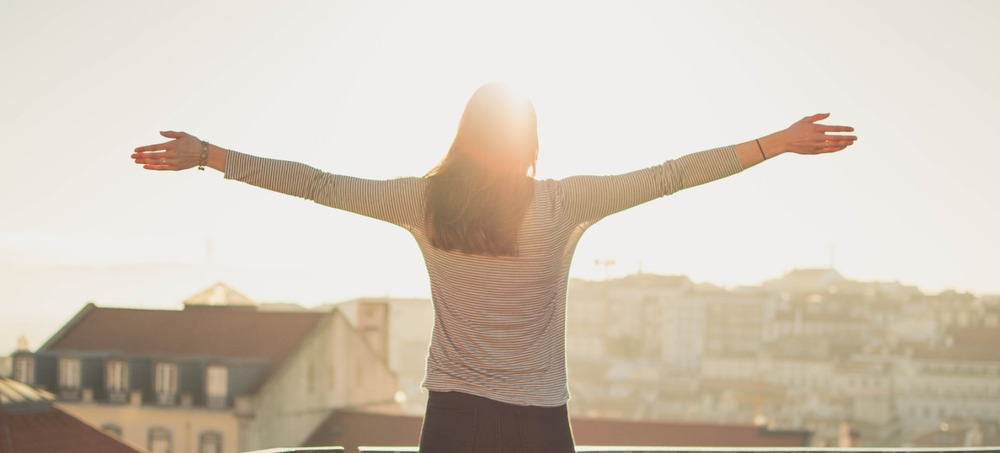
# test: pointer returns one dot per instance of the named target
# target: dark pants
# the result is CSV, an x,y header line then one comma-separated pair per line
x,y
462,423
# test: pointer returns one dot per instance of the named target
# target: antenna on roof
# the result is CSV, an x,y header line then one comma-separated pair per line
x,y
607,265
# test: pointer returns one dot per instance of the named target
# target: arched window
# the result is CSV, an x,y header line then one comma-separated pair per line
x,y
159,440
210,442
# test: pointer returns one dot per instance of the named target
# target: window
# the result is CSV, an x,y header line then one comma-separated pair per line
x,y
69,373
117,376
159,440
217,385
210,442
111,428
166,382
24,369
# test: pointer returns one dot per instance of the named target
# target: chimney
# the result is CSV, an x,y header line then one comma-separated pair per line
x,y
135,398
846,437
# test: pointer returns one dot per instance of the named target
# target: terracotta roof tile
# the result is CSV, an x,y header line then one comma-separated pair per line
x,y
54,430
592,431
232,332
29,423
939,438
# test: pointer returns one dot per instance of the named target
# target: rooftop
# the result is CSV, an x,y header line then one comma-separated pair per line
x,y
197,330
29,423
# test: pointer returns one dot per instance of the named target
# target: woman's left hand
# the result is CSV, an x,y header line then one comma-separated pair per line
x,y
181,153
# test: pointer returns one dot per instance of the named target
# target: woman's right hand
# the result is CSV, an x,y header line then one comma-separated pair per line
x,y
180,153
805,136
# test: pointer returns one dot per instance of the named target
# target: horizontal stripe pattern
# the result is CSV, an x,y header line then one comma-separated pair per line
x,y
499,322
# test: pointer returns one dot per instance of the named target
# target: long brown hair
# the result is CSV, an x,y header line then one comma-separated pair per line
x,y
478,194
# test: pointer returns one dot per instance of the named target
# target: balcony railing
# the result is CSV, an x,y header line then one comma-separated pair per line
x,y
637,449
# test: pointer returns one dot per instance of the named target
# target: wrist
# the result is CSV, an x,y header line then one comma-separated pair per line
x,y
216,157
772,145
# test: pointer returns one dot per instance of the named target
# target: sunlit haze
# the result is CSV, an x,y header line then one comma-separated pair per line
x,y
375,89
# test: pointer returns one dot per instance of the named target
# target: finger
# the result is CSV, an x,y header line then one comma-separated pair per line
x,y
160,167
156,147
162,162
826,128
822,146
168,154
173,134
834,149
156,160
816,117
831,147
838,138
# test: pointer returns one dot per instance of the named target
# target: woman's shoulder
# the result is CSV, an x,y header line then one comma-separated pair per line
x,y
548,190
415,183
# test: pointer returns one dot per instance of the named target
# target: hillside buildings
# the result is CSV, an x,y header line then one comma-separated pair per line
x,y
811,350
871,364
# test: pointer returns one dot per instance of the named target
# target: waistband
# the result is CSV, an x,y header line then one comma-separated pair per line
x,y
455,400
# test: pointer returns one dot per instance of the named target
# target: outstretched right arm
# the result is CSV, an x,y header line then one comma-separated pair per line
x,y
397,201
183,151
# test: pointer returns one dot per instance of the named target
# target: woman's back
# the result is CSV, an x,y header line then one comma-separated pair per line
x,y
499,329
500,320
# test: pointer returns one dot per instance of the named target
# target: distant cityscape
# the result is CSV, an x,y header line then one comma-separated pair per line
x,y
811,350
880,364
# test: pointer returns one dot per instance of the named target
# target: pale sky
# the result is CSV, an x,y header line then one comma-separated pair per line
x,y
375,89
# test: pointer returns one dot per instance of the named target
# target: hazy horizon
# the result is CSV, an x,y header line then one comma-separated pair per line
x,y
115,285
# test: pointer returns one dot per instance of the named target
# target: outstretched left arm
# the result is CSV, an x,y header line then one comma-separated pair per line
x,y
587,199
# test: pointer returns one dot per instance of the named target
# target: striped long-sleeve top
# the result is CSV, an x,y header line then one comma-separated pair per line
x,y
499,322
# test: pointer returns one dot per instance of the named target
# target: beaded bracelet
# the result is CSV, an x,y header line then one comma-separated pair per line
x,y
204,156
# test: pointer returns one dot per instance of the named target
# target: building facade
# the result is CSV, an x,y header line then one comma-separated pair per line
x,y
211,378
